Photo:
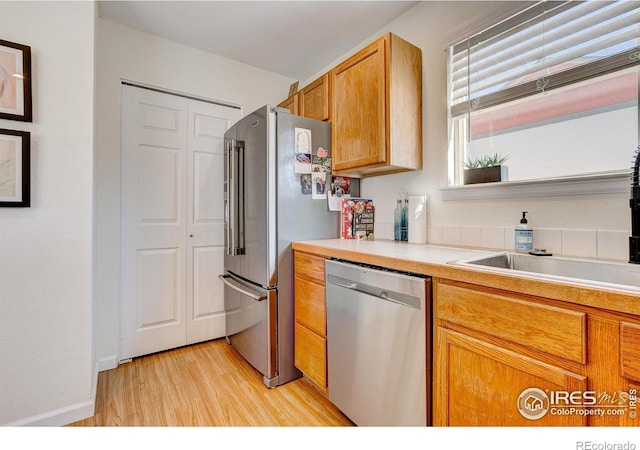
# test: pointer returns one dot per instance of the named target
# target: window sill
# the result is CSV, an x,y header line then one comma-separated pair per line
x,y
601,183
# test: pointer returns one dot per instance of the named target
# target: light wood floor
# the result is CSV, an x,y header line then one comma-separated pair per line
x,y
206,384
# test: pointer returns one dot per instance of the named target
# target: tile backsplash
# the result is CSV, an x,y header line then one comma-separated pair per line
x,y
604,244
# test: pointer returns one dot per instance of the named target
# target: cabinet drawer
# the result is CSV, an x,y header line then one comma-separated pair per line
x,y
310,305
552,330
311,355
630,350
309,266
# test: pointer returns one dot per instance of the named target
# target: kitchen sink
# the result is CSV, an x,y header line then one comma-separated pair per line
x,y
586,271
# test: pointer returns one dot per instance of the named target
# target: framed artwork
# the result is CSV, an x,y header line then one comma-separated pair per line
x,y
15,81
15,168
293,88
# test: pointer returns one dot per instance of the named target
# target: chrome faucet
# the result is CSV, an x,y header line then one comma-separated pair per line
x,y
634,203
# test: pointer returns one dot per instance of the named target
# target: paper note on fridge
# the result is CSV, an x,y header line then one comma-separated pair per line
x,y
302,150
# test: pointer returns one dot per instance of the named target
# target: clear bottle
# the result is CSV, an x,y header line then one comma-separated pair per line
x,y
404,224
397,221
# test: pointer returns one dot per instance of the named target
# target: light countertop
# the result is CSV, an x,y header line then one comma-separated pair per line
x,y
435,261
424,253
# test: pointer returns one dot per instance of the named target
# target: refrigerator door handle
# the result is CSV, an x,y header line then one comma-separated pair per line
x,y
235,198
227,196
239,243
256,297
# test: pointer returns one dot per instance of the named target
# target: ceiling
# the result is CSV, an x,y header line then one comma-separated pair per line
x,y
293,38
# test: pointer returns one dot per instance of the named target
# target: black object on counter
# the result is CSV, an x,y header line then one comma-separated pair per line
x,y
634,203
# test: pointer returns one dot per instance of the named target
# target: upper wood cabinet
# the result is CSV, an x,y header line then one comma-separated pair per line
x,y
291,104
314,99
374,103
376,109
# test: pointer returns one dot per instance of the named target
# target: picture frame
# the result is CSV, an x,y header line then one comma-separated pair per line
x,y
293,88
15,168
15,81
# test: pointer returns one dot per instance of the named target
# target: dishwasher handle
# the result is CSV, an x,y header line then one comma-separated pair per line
x,y
384,294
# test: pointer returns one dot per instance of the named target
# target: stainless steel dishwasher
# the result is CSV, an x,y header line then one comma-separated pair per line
x,y
377,341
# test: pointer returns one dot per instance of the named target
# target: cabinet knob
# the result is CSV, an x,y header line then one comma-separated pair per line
x,y
191,235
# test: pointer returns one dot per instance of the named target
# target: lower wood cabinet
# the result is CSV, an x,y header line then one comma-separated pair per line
x,y
484,383
310,317
508,359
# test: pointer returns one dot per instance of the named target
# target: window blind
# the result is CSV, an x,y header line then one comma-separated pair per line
x,y
549,45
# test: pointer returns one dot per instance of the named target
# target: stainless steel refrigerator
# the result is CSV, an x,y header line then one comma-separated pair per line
x,y
268,204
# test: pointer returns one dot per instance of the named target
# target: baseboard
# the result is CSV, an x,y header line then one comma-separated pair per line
x,y
65,415
108,363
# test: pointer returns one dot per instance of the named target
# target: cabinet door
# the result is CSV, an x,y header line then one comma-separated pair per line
x,y
358,109
291,104
479,384
314,99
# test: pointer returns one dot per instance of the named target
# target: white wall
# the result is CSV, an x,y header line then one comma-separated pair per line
x,y
123,53
432,26
46,342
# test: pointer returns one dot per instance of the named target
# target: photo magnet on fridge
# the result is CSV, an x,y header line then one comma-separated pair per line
x,y
306,184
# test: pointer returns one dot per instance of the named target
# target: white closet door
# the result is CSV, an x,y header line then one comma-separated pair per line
x,y
171,220
205,219
153,225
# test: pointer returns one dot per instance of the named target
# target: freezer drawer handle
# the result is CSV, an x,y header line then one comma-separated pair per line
x,y
256,297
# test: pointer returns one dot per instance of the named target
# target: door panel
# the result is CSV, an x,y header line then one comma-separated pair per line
x,y
158,288
208,171
158,191
153,263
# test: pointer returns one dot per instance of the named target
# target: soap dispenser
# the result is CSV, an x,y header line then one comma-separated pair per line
x,y
524,235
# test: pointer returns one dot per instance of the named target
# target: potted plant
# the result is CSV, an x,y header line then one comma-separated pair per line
x,y
485,169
